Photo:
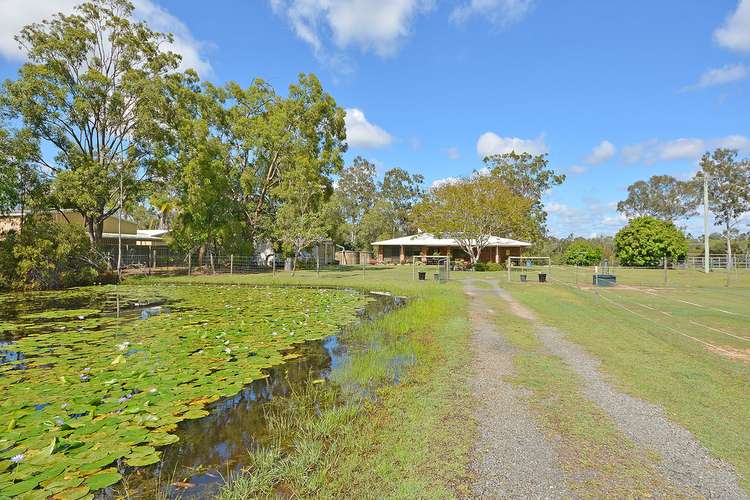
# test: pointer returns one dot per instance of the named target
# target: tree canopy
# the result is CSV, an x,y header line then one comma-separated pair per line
x,y
663,197
582,253
356,191
529,177
93,91
472,210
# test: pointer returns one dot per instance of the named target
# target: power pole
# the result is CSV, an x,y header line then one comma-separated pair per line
x,y
706,249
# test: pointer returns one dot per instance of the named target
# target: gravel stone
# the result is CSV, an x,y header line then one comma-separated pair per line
x,y
512,458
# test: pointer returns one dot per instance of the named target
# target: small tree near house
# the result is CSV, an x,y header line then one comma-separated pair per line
x,y
471,210
305,217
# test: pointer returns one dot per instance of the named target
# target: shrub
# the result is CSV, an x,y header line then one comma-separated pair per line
x,y
645,241
582,253
488,266
46,255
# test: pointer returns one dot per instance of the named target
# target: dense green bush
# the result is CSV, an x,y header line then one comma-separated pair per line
x,y
645,241
488,266
46,255
582,253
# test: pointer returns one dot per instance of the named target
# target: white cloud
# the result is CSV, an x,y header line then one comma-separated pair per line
x,y
498,12
453,153
360,133
681,149
604,151
592,218
19,13
447,180
615,220
734,34
720,76
490,143
578,169
377,25
653,150
739,142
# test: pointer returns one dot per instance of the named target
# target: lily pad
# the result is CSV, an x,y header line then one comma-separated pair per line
x,y
73,493
103,479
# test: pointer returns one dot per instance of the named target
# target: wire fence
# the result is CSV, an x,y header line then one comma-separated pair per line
x,y
741,261
158,259
673,276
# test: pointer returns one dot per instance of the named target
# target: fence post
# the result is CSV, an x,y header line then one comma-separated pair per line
x,y
231,264
317,262
190,263
665,270
273,264
507,265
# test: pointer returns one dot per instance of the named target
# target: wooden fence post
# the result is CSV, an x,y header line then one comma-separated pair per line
x,y
231,264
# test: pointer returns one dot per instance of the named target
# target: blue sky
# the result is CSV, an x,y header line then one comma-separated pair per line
x,y
614,91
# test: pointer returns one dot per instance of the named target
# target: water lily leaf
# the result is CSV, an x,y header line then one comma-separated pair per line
x,y
72,493
162,438
51,473
140,451
193,414
20,487
55,485
143,460
102,462
51,448
103,479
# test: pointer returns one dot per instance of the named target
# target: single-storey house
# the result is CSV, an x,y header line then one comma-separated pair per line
x,y
112,229
403,249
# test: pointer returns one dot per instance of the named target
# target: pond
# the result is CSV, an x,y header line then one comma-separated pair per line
x,y
96,381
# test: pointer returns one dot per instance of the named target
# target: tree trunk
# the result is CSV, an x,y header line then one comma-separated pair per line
x,y
89,223
729,256
294,264
475,256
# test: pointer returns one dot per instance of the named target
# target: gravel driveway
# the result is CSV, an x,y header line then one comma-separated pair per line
x,y
514,460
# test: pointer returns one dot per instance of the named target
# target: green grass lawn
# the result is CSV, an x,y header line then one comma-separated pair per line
x,y
412,440
648,344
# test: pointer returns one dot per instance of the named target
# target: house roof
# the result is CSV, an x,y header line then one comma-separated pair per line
x,y
427,239
130,236
157,233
